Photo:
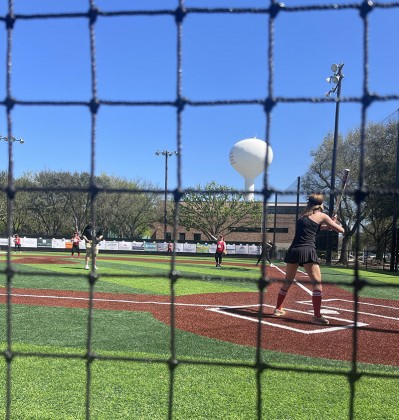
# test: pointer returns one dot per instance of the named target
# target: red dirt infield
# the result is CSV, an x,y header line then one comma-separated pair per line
x,y
234,317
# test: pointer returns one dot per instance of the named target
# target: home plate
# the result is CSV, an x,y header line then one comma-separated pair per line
x,y
329,312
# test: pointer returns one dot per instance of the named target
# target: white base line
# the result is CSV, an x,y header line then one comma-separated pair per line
x,y
219,309
308,291
103,300
286,327
364,303
304,302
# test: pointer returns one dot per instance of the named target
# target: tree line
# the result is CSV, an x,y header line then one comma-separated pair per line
x,y
377,205
56,203
63,203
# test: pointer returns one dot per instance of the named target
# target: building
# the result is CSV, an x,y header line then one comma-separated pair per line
x,y
281,219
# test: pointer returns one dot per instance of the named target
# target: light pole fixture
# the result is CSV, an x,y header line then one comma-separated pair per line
x,y
11,139
167,154
395,228
336,79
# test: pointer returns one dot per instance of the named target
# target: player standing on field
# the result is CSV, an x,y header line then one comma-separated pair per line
x,y
302,252
266,252
92,237
17,243
220,250
75,244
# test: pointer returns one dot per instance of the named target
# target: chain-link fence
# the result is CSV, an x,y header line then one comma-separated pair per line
x,y
272,12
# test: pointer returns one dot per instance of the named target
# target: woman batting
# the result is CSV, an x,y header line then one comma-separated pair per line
x,y
302,252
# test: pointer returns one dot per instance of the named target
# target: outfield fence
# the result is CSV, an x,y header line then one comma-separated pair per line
x,y
272,12
61,244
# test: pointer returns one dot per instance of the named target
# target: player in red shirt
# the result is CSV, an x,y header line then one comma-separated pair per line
x,y
17,243
75,244
220,250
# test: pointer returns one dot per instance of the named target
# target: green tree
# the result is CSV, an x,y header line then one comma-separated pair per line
x,y
21,218
3,202
318,178
217,209
379,170
49,208
128,213
78,200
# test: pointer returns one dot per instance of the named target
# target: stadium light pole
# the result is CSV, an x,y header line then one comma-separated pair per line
x,y
167,154
298,189
336,79
395,231
11,139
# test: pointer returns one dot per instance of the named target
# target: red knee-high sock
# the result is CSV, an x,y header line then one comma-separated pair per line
x,y
280,298
316,300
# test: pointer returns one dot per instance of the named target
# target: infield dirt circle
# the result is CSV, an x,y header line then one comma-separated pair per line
x,y
235,317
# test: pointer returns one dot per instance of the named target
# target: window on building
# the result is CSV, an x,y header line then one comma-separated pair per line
x,y
285,209
257,230
168,237
182,237
197,237
245,229
278,230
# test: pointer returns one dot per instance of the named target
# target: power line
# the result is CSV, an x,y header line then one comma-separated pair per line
x,y
389,116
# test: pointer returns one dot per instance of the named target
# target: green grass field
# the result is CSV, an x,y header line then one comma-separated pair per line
x,y
130,376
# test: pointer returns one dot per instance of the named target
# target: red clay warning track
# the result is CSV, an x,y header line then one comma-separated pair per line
x,y
234,317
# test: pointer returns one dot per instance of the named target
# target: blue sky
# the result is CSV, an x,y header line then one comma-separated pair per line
x,y
224,57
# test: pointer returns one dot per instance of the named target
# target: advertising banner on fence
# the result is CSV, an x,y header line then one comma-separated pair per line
x,y
202,248
124,246
4,242
162,247
43,243
57,243
137,246
253,249
212,248
189,248
179,247
150,246
231,249
242,249
111,245
29,242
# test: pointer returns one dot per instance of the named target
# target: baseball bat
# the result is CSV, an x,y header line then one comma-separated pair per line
x,y
338,198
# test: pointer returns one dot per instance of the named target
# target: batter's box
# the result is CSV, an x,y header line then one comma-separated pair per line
x,y
338,306
250,313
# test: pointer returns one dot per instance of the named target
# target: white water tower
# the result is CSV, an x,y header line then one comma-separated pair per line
x,y
248,158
